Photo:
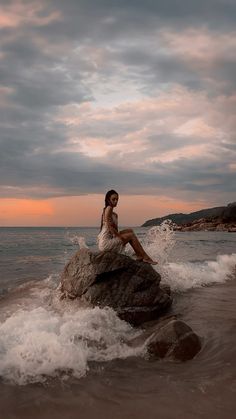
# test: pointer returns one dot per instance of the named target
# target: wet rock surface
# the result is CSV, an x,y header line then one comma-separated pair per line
x,y
130,287
169,338
173,339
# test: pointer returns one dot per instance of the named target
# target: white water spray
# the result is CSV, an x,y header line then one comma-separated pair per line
x,y
159,241
79,240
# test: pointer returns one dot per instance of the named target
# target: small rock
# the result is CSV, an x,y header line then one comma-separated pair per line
x,y
175,339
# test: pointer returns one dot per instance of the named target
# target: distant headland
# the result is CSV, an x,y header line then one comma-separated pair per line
x,y
210,219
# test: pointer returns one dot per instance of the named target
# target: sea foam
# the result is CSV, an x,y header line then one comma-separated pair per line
x,y
184,276
40,343
159,241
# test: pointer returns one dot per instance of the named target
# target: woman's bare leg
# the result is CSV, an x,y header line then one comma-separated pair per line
x,y
128,236
127,230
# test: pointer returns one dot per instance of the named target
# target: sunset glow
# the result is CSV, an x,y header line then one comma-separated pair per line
x,y
24,211
90,100
86,210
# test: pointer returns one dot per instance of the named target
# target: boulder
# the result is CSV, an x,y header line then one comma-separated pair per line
x,y
169,338
130,287
175,340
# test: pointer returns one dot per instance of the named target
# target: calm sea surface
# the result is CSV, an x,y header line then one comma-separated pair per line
x,y
59,360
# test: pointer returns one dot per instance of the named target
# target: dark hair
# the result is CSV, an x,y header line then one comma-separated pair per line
x,y
107,202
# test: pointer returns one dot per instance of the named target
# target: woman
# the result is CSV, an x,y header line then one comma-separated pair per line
x,y
110,238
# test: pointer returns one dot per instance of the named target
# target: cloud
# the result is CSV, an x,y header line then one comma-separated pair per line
x,y
19,13
112,94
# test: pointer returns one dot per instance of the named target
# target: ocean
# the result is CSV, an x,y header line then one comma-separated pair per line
x,y
60,360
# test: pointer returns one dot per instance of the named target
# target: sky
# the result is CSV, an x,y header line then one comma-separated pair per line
x,y
136,96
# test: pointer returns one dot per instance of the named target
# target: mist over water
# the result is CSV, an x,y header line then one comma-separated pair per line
x,y
44,339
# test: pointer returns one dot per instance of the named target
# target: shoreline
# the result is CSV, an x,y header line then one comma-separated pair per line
x,y
206,225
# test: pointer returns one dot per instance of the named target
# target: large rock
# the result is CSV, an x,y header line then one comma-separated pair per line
x,y
130,287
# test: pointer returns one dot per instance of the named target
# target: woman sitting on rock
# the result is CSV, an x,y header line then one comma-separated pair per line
x,y
110,238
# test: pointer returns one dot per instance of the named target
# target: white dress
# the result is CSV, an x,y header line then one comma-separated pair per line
x,y
106,240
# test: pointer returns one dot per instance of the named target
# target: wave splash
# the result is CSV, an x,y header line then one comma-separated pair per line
x,y
78,240
40,343
159,241
184,276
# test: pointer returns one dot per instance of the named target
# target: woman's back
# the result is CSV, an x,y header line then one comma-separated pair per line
x,y
107,240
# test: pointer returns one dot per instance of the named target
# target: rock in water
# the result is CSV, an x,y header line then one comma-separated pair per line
x,y
170,338
174,339
111,279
